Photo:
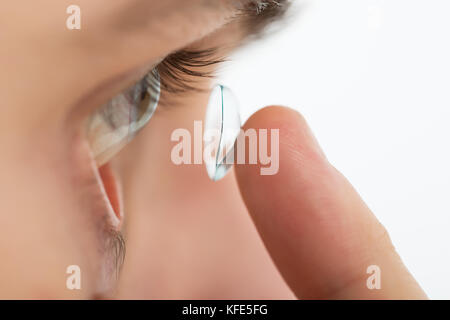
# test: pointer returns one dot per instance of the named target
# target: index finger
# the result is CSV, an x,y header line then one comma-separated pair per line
x,y
320,234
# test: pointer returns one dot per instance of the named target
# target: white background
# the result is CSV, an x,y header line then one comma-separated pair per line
x,y
373,80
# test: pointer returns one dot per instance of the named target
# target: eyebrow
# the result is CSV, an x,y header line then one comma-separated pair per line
x,y
257,14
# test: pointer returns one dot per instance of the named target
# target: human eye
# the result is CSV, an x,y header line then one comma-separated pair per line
x,y
114,124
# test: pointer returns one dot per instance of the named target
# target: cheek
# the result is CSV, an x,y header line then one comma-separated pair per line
x,y
44,229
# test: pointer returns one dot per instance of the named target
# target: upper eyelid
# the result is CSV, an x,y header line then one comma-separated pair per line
x,y
177,73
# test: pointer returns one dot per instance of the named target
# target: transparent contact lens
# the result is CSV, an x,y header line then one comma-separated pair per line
x,y
112,126
222,127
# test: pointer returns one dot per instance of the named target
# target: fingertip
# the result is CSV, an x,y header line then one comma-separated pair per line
x,y
276,116
297,150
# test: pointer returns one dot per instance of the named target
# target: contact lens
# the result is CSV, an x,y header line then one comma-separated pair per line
x,y
222,127
112,126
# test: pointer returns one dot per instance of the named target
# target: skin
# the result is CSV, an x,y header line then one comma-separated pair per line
x,y
51,209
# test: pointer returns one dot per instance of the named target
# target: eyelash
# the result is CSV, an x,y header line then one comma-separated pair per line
x,y
180,71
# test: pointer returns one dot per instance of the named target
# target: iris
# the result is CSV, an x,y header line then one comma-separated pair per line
x,y
112,126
